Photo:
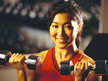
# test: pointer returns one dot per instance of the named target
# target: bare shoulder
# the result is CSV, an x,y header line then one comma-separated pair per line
x,y
41,54
87,58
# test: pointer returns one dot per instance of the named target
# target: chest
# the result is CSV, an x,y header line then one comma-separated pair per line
x,y
48,72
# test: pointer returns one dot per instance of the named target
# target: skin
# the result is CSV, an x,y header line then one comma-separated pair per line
x,y
63,34
63,31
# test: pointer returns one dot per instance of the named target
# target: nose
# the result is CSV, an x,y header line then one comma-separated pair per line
x,y
61,31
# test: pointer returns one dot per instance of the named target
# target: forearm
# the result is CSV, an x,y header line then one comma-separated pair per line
x,y
21,75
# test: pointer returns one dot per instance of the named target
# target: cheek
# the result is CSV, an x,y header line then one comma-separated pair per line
x,y
72,34
69,33
52,32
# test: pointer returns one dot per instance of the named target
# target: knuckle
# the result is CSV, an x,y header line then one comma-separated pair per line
x,y
13,54
19,61
23,57
17,53
11,61
15,60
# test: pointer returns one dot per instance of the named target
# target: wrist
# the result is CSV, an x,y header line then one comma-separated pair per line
x,y
20,71
79,79
21,75
21,68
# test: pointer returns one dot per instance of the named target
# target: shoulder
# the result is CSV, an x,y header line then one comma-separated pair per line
x,y
41,54
87,58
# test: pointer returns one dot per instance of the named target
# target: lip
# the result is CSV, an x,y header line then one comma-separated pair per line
x,y
62,40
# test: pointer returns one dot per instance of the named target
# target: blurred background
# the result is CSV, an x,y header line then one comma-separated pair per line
x,y
23,27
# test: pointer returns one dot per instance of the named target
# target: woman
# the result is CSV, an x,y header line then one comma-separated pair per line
x,y
65,26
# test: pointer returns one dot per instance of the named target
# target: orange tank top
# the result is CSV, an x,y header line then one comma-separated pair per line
x,y
49,69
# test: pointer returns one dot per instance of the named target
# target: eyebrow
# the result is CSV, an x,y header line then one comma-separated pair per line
x,y
67,23
64,23
55,22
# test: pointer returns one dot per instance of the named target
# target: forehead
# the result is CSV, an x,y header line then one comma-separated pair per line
x,y
63,17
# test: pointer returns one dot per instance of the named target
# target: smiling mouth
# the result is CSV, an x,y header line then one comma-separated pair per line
x,y
62,40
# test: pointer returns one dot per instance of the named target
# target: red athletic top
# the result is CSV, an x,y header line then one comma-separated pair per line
x,y
49,69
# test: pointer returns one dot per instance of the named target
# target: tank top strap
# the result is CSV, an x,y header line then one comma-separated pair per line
x,y
51,56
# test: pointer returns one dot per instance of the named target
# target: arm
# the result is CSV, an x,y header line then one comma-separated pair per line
x,y
31,75
82,72
23,74
26,75
93,77
17,61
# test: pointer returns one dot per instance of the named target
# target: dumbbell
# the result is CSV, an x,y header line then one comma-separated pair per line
x,y
100,67
5,55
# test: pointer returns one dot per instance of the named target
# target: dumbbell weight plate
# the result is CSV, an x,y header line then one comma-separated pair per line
x,y
31,62
64,68
101,67
4,56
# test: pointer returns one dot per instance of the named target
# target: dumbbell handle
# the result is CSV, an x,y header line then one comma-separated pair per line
x,y
92,67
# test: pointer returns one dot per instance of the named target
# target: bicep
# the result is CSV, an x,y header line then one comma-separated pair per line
x,y
93,77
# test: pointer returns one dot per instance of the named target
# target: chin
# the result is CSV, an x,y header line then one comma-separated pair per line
x,y
62,46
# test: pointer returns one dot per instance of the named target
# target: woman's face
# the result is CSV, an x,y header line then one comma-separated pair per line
x,y
63,30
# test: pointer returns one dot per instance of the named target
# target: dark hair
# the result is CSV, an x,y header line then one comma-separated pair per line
x,y
64,6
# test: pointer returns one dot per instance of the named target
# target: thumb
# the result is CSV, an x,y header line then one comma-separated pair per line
x,y
39,61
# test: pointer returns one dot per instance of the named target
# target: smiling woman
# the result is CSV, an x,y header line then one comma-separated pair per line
x,y
65,27
62,32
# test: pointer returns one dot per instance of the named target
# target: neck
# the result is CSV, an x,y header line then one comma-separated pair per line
x,y
66,53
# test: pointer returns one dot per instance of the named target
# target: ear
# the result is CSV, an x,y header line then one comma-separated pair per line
x,y
80,26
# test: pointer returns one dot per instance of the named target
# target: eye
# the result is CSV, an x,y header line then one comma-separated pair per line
x,y
70,27
55,26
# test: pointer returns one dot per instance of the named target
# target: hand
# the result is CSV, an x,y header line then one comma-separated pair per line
x,y
81,70
17,61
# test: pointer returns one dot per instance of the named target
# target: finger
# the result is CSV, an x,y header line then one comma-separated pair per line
x,y
86,66
80,65
21,58
76,66
18,57
11,59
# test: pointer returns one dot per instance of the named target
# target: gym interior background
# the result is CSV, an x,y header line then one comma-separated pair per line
x,y
23,27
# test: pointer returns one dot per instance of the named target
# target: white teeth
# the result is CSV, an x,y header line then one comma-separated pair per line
x,y
61,39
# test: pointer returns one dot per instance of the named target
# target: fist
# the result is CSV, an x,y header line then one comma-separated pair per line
x,y
17,61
